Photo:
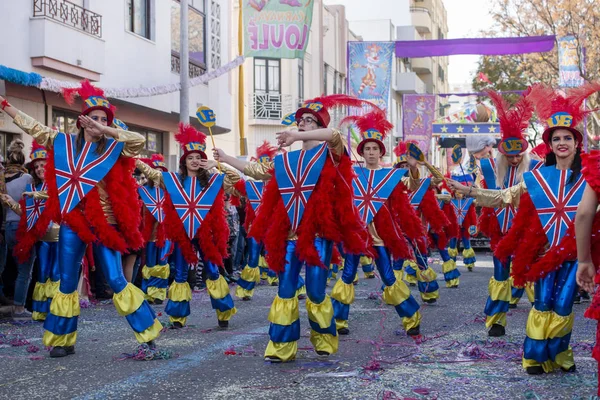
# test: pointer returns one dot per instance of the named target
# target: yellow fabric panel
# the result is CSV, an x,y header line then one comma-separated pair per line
x,y
468,253
396,294
448,266
284,311
285,351
499,319
272,280
38,316
343,292
411,322
537,324
250,274
181,291
156,293
181,320
39,292
548,366
565,359
452,251
499,290
324,342
149,334
453,283
128,300
530,292
301,291
431,295
367,275
364,260
399,275
50,339
341,323
427,275
226,315
217,289
320,313
240,292
159,271
52,288
560,326
65,305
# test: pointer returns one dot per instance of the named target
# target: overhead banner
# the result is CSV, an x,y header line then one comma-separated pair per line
x,y
370,71
417,118
276,29
568,62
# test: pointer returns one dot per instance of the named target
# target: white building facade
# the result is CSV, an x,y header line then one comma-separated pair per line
x,y
116,44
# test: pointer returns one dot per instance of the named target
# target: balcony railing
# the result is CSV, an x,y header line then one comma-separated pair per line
x,y
195,69
271,106
69,14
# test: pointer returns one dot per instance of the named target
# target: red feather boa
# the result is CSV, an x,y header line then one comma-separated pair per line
x,y
407,218
336,257
590,164
389,230
150,226
470,218
437,219
27,239
488,225
213,233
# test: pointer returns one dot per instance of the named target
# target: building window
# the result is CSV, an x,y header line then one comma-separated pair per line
x,y
441,73
215,34
267,76
197,43
300,80
139,17
441,110
64,121
440,33
325,72
5,139
154,140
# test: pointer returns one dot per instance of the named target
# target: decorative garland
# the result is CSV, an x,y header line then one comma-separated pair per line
x,y
55,85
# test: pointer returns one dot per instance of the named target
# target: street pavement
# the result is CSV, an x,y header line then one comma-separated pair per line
x,y
454,358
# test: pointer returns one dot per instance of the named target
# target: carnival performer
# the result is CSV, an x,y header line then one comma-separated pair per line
x,y
501,173
307,207
541,239
158,248
37,234
195,221
92,192
379,195
587,226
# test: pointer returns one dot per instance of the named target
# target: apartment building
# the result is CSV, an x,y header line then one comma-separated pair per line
x,y
116,44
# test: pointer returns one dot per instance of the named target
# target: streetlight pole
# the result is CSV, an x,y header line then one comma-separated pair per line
x,y
184,65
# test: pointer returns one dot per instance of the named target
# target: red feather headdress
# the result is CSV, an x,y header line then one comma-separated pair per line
x,y
191,141
93,99
513,122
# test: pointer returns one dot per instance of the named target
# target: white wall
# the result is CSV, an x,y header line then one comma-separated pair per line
x,y
360,10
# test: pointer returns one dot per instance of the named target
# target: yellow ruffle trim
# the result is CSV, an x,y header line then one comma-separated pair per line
x,y
343,292
39,292
427,275
367,275
430,295
262,262
181,320
538,323
411,322
324,342
50,339
452,251
448,266
65,305
453,283
284,311
52,288
181,291
468,253
341,323
530,292
149,334
301,291
156,293
560,326
499,290
396,294
128,300
226,315
564,359
321,314
217,289
364,260
399,274
159,271
240,292
285,351
272,279
499,319
38,316
250,274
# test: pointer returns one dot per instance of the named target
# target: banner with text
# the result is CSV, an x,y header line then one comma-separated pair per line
x,y
276,29
370,71
568,62
418,114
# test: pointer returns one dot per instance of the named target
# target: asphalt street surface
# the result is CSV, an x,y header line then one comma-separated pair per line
x,y
454,358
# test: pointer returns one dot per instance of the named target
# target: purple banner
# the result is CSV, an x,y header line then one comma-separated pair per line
x,y
479,46
417,118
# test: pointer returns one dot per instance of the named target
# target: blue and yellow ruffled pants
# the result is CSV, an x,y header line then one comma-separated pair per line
x,y
426,278
550,321
496,306
250,274
451,273
47,280
180,293
61,323
156,271
284,330
395,293
468,252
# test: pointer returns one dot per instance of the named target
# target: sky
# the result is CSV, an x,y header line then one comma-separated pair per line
x,y
466,18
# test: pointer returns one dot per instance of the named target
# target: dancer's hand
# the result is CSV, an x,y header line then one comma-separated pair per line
x,y
93,128
219,155
458,187
286,138
27,194
585,276
208,164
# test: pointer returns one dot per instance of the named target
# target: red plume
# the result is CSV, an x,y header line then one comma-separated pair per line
x,y
265,149
85,91
188,134
157,157
541,150
400,149
341,100
513,121
547,101
35,146
375,119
